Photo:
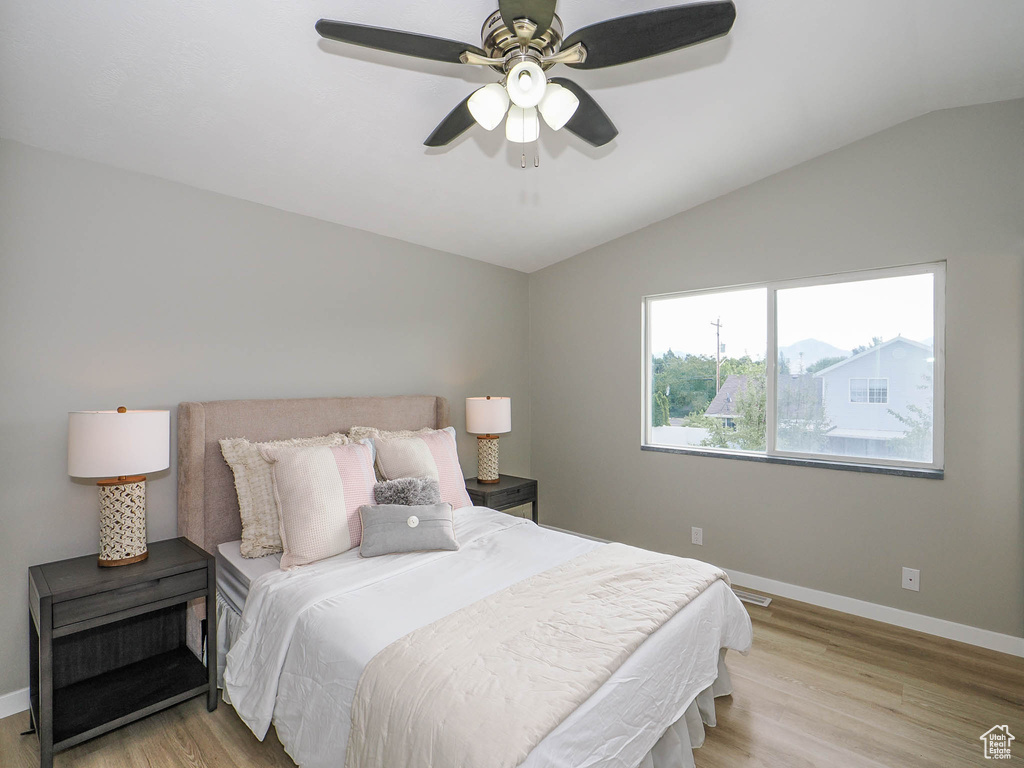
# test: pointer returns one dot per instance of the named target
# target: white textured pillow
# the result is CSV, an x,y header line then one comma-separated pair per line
x,y
363,433
356,434
261,521
432,454
319,492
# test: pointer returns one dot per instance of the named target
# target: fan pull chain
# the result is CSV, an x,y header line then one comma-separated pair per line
x,y
536,151
524,141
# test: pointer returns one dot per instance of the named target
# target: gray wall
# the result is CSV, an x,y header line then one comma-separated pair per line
x,y
122,289
945,186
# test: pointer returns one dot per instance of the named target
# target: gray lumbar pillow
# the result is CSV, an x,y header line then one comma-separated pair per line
x,y
408,491
391,528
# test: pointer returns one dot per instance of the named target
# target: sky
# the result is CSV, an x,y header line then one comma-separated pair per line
x,y
844,315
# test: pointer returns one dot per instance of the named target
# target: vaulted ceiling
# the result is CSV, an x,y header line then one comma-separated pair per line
x,y
245,99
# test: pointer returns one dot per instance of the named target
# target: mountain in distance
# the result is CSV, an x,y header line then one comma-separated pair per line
x,y
813,351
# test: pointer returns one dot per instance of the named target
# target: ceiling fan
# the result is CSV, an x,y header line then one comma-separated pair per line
x,y
522,40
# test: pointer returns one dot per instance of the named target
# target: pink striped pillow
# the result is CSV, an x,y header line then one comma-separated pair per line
x,y
432,454
319,491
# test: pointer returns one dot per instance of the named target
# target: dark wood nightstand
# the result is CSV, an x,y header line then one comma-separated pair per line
x,y
508,492
107,645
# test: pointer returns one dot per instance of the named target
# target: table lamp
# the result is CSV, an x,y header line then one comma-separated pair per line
x,y
487,417
121,447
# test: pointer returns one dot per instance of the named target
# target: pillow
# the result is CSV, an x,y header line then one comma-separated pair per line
x,y
431,455
392,528
372,433
261,520
408,491
319,492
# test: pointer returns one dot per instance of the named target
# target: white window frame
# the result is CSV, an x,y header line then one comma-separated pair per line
x,y
867,389
772,452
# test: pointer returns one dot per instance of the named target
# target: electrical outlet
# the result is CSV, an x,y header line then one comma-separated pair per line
x,y
912,579
697,536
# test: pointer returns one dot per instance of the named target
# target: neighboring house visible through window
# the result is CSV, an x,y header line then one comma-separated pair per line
x,y
724,407
869,390
807,375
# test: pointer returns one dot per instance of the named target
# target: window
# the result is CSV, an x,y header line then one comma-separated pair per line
x,y
869,390
707,368
797,370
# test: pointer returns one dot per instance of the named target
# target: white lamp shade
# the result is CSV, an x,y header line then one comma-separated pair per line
x,y
112,444
523,125
558,106
526,84
488,415
488,105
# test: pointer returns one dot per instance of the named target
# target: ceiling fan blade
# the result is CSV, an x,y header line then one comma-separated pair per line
x,y
453,126
540,12
630,38
408,43
589,122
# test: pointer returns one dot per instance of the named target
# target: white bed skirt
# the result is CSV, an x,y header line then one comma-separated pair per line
x,y
229,622
673,750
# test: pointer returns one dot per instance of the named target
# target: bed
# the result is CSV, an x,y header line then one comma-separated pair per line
x,y
301,660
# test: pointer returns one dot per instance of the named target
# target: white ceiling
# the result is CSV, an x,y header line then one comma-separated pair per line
x,y
245,99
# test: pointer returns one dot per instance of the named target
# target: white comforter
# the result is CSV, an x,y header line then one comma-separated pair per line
x,y
308,634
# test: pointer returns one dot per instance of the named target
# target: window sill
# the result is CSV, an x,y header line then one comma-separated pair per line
x,y
929,474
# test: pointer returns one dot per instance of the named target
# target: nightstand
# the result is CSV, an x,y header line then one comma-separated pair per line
x,y
508,492
107,645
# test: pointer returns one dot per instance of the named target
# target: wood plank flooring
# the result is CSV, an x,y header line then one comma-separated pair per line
x,y
822,688
819,688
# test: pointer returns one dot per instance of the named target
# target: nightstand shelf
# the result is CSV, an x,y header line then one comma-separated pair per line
x,y
510,491
96,705
108,645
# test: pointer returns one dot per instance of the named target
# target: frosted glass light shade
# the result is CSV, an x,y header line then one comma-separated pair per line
x,y
488,415
558,106
522,125
488,105
526,84
112,444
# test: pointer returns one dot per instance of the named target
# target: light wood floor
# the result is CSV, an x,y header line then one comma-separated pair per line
x,y
819,688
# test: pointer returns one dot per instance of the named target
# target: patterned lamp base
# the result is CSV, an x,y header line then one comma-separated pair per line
x,y
122,521
487,458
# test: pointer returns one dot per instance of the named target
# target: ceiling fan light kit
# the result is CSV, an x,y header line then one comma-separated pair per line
x,y
526,84
522,40
558,106
523,125
489,105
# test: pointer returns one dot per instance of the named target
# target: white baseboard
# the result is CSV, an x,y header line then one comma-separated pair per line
x,y
14,702
983,638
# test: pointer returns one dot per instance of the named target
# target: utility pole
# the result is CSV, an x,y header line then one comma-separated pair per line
x,y
718,354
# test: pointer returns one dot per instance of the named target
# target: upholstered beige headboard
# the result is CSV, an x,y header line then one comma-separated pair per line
x,y
207,503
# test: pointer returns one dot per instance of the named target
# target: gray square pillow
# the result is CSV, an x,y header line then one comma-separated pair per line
x,y
408,491
391,528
